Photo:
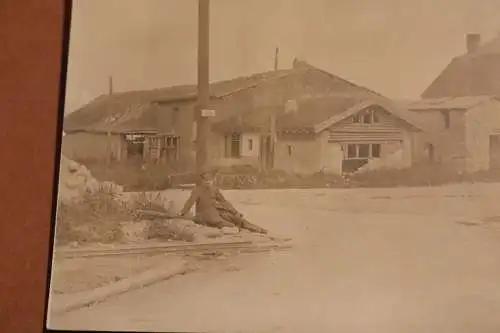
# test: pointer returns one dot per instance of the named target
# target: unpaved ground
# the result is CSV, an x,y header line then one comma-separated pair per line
x,y
81,274
380,260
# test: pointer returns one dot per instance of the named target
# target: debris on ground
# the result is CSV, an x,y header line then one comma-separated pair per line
x,y
90,211
76,181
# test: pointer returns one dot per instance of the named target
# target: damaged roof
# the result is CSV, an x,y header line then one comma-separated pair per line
x,y
110,110
136,111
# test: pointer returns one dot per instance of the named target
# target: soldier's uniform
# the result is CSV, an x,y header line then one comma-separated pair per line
x,y
214,210
229,213
204,198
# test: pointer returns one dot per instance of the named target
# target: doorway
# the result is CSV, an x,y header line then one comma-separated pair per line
x,y
430,152
494,152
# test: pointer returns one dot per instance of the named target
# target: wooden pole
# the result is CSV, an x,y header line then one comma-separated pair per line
x,y
204,123
272,120
272,139
110,150
276,60
110,85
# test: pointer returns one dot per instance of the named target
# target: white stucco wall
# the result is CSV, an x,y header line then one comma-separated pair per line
x,y
250,145
331,155
449,143
248,156
481,122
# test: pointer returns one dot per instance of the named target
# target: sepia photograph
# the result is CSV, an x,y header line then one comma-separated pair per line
x,y
279,166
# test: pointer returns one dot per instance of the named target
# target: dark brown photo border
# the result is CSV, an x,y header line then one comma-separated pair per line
x,y
34,38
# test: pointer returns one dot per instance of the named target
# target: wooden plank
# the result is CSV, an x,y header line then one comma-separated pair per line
x,y
188,248
152,247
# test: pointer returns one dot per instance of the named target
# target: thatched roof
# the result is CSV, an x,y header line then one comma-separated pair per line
x,y
139,111
136,109
313,114
471,74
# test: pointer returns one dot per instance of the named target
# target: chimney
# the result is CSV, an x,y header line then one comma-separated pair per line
x,y
110,85
298,63
473,41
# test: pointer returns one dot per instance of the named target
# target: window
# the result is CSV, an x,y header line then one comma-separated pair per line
x,y
135,145
175,117
446,118
376,149
170,151
352,151
289,147
367,117
430,152
363,151
250,144
235,145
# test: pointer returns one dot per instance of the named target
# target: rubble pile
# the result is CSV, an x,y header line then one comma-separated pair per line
x,y
75,181
90,211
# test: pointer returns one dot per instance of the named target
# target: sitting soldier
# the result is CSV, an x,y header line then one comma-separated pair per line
x,y
213,209
229,213
203,196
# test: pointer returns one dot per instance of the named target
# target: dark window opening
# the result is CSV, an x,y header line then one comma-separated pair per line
x,y
364,151
135,146
356,118
289,150
367,118
175,117
170,148
250,144
235,146
430,152
376,148
351,151
375,116
446,118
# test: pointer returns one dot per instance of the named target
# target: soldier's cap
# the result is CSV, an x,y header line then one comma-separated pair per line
x,y
208,172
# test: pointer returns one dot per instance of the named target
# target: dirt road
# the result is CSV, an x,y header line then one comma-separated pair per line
x,y
386,261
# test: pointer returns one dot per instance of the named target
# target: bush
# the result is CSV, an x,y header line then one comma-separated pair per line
x,y
95,218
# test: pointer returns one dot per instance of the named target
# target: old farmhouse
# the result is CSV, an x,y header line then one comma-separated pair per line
x,y
461,133
460,111
322,123
158,125
331,134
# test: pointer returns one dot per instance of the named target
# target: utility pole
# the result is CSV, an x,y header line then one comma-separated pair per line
x,y
203,127
110,150
110,85
276,55
272,121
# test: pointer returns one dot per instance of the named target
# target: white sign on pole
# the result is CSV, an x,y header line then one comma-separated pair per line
x,y
207,113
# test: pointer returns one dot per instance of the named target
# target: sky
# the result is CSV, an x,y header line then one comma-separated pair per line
x,y
395,47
